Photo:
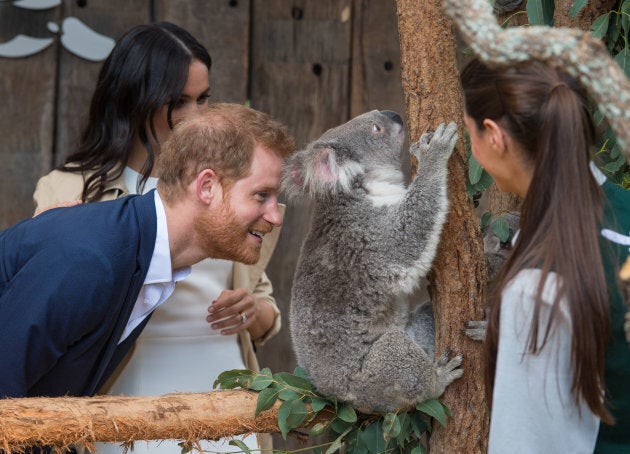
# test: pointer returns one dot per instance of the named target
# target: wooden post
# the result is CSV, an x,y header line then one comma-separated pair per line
x,y
62,421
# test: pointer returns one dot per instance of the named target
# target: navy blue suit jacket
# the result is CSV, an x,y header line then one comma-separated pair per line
x,y
69,279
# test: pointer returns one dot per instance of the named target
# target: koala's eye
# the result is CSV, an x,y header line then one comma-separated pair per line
x,y
376,128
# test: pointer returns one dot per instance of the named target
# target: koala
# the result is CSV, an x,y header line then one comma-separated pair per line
x,y
370,241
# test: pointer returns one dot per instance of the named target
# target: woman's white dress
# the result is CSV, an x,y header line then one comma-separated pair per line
x,y
179,351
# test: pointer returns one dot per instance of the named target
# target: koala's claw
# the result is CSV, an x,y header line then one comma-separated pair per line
x,y
441,142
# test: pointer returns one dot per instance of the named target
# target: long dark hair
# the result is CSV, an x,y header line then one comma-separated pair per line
x,y
147,69
548,114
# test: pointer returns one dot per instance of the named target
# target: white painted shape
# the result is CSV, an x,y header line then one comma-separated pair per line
x,y
53,27
37,4
84,42
23,46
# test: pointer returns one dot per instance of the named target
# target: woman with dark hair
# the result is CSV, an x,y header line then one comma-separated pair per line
x,y
156,76
558,365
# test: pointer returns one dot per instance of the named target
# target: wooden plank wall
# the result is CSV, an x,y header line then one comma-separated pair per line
x,y
312,64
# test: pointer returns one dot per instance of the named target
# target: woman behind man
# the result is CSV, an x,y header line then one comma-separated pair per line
x,y
555,343
156,76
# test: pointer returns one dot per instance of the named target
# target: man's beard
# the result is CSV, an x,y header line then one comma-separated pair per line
x,y
221,236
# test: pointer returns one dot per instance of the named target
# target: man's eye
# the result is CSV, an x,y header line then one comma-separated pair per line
x,y
262,195
203,99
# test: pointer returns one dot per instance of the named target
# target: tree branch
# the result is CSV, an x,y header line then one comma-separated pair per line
x,y
572,50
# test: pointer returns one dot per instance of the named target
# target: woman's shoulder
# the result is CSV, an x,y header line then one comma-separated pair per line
x,y
58,186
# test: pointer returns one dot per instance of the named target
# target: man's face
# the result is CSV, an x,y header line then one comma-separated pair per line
x,y
233,227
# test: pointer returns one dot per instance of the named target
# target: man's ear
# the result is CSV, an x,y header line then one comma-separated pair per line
x,y
496,136
207,186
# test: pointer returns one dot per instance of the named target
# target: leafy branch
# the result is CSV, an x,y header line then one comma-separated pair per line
x,y
303,408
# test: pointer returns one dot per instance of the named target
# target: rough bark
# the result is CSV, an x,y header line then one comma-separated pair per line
x,y
62,421
575,51
430,82
585,18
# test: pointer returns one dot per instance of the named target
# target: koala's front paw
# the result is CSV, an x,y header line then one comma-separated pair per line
x,y
438,144
476,330
447,371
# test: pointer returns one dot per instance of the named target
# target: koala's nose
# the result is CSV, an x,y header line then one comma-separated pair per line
x,y
392,116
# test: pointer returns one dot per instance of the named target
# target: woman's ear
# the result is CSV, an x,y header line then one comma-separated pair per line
x,y
495,134
207,186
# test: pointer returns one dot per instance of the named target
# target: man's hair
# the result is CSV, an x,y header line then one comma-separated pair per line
x,y
222,139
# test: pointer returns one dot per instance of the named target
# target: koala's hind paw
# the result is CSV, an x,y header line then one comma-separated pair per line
x,y
476,330
448,370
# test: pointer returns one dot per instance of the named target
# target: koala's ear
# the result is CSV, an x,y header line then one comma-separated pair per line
x,y
324,166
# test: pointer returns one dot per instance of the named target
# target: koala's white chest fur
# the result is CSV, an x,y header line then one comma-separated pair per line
x,y
385,188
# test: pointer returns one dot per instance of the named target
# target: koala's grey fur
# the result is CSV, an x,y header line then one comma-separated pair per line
x,y
370,241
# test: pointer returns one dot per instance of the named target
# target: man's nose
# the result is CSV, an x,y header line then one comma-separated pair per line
x,y
273,215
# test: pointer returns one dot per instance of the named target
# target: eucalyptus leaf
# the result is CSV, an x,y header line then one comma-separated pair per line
x,y
485,219
347,413
290,415
339,426
540,12
623,60
391,426
578,5
318,404
266,398
600,26
501,228
318,429
234,378
288,394
434,409
625,19
418,424
241,445
296,382
260,382
474,170
418,449
301,372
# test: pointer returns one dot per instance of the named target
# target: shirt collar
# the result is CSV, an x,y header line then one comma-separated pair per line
x,y
160,268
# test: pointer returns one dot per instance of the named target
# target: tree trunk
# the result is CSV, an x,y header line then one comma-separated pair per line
x,y
430,81
585,18
62,421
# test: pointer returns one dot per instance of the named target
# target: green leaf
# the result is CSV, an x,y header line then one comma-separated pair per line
x,y
261,382
600,26
239,443
540,12
318,429
391,426
418,449
623,60
434,409
317,403
298,383
301,372
418,424
501,228
339,425
235,378
485,219
625,18
290,415
578,5
288,394
474,170
347,413
266,398
372,437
